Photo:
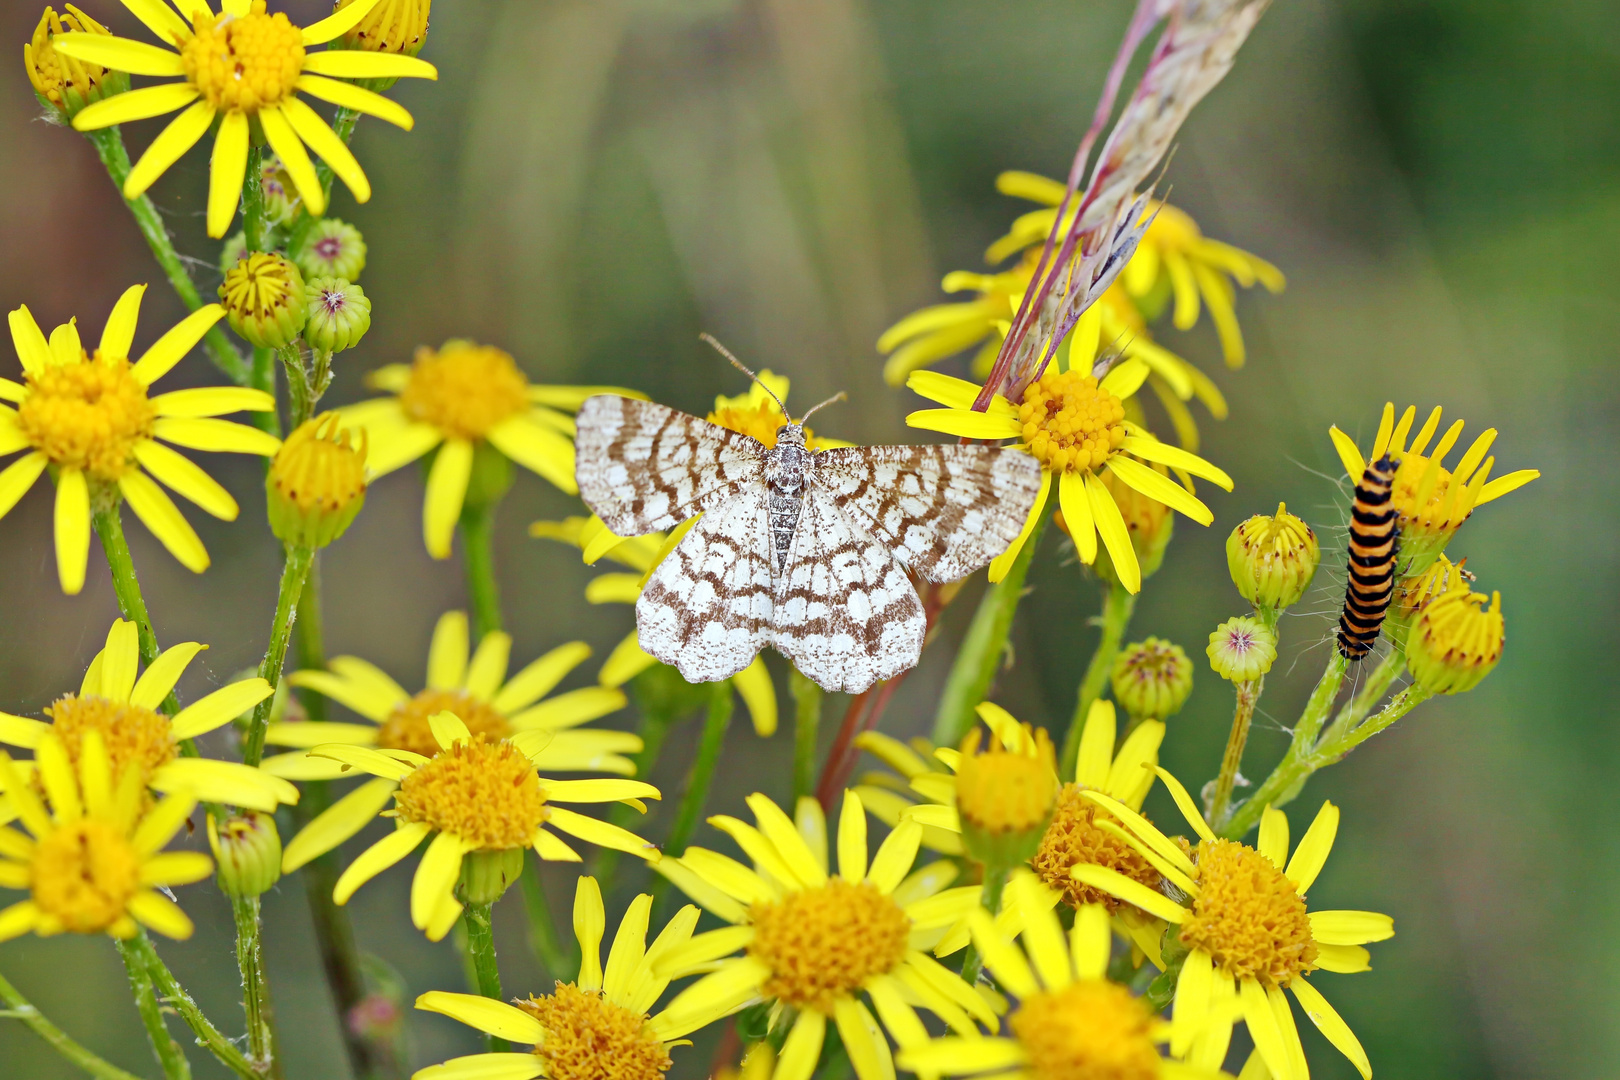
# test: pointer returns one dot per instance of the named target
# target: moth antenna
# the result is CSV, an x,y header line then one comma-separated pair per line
x,y
709,340
840,396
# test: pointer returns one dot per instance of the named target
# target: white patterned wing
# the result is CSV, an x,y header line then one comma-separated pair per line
x,y
643,466
707,608
846,614
945,511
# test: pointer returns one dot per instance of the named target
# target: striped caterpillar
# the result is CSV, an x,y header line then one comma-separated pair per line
x,y
1374,539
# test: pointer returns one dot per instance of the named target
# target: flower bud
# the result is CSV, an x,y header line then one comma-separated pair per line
x,y
333,249
1415,592
247,853
1242,649
486,874
317,483
1152,679
263,296
1149,522
339,314
393,26
280,196
1005,795
1272,559
1456,641
62,84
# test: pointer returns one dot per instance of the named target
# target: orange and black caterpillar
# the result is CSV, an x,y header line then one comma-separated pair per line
x,y
1374,539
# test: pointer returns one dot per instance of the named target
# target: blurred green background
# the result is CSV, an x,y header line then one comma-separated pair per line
x,y
591,183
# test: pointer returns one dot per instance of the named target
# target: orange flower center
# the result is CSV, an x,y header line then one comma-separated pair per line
x,y
824,943
1074,837
1071,423
483,791
463,389
90,415
1248,916
246,63
407,727
84,875
134,737
1089,1030
590,1038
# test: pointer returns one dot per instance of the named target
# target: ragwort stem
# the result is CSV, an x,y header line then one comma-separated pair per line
x,y
1118,606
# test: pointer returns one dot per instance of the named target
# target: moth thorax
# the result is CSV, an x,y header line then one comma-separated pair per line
x,y
786,462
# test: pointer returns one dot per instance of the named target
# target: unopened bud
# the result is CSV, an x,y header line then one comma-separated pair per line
x,y
247,853
339,314
1242,649
62,84
1456,641
333,249
1272,559
393,26
1152,679
317,482
263,296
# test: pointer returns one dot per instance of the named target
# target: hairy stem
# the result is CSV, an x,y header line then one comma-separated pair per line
x,y
170,1058
263,377
300,395
806,727
1118,606
109,528
995,881
109,144
261,1029
1356,710
481,954
1248,693
172,993
254,228
983,648
293,573
20,1008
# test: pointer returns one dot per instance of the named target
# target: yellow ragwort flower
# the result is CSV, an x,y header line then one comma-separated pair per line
x,y
94,863
91,418
62,84
476,690
1248,932
245,68
1431,503
642,554
1456,641
594,1027
1075,426
816,941
1069,1021
474,795
1174,260
118,704
455,398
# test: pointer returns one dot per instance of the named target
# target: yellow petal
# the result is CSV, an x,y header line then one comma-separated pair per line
x,y
1001,564
119,332
225,172
159,514
1351,927
352,64
72,529
447,653
26,337
212,401
803,1047
435,876
446,490
1349,454
353,97
590,920
279,133
1273,842
159,678
492,1017
186,478
1076,506
132,105
867,1048
1110,525
538,449
1161,488
966,423
18,477
1314,848
176,868
1150,449
172,347
215,436
1332,1025
1127,889
223,705
225,782
375,859
754,685
119,54
337,24
488,667
311,128
600,833
158,912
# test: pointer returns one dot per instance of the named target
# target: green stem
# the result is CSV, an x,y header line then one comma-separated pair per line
x,y
1401,704
1248,694
171,992
481,951
261,1031
293,573
171,1059
109,528
544,940
1388,670
300,395
701,777
263,377
334,933
983,648
806,727
20,1008
254,228
995,880
483,592
109,144
1318,705
1118,606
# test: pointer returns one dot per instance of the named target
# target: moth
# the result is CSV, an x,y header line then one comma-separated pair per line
x,y
803,550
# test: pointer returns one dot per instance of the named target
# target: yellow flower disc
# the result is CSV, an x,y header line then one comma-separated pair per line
x,y
88,415
243,63
1248,916
590,1038
825,942
464,389
484,791
84,875
1001,791
1071,423
1073,838
1089,1030
134,737
407,727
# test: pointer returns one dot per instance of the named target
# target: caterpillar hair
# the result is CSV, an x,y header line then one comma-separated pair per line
x,y
1374,539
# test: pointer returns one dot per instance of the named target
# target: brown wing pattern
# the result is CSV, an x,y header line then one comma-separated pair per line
x,y
643,466
944,511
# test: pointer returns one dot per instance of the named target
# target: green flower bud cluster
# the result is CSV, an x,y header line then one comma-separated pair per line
x,y
1152,679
